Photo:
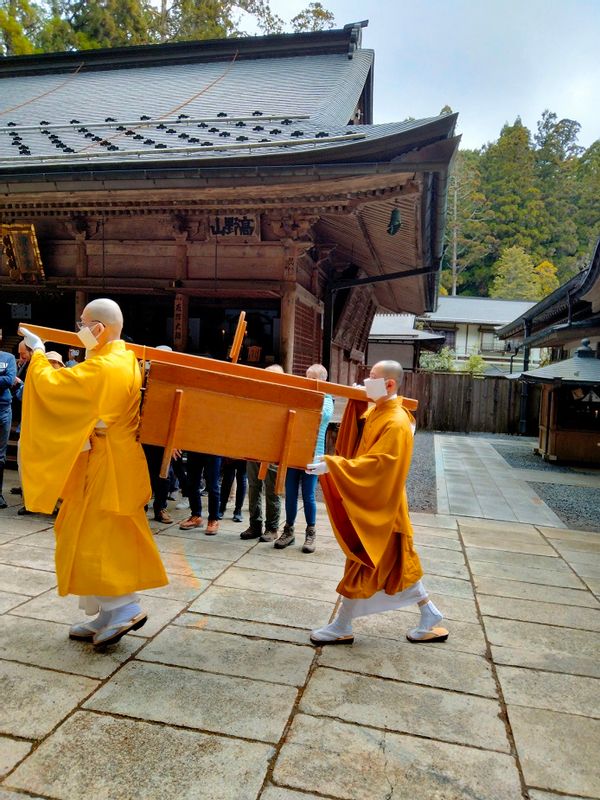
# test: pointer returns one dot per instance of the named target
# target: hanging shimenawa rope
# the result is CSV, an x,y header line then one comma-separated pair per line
x,y
44,94
172,111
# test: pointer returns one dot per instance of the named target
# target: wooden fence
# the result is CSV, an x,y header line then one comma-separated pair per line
x,y
458,402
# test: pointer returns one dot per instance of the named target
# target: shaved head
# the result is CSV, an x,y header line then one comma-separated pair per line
x,y
390,370
105,311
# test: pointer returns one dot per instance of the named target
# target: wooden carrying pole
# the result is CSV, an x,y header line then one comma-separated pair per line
x,y
70,339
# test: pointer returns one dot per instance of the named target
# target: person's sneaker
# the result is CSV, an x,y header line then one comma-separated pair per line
x,y
220,514
16,490
162,516
191,522
251,533
269,536
309,539
287,537
3,503
212,528
183,503
22,511
237,516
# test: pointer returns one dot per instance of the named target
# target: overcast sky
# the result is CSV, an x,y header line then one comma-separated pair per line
x,y
490,60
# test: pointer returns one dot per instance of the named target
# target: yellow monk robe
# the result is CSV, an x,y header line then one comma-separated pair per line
x,y
104,545
366,501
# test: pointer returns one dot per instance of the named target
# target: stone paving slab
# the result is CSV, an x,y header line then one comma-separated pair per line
x,y
531,591
570,694
543,577
46,644
183,588
544,563
433,520
45,539
205,547
405,708
49,606
587,619
274,583
119,758
201,568
529,544
22,580
228,654
401,661
191,699
447,534
572,547
9,601
263,607
258,630
535,794
530,636
435,540
549,660
569,535
35,700
449,587
558,752
21,555
453,557
278,793
465,636
354,763
11,752
584,568
293,566
322,555
434,563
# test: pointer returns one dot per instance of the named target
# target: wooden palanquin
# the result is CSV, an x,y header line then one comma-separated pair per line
x,y
230,415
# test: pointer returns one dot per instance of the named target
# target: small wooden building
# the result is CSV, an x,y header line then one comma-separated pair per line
x,y
570,407
189,181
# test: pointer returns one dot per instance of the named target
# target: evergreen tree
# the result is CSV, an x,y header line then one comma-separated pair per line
x,y
519,217
20,21
546,277
468,240
514,276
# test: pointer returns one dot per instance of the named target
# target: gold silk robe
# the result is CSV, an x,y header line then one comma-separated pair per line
x,y
104,545
366,501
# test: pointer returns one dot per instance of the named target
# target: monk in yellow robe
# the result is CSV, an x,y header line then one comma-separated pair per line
x,y
78,442
366,501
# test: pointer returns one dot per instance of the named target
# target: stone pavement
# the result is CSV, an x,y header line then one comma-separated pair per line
x,y
221,697
474,480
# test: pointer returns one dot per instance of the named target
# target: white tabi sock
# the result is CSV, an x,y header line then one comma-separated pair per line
x,y
430,616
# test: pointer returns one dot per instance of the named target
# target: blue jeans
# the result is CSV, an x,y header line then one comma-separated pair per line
x,y
294,479
5,421
198,463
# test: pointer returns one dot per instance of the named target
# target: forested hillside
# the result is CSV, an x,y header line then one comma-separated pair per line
x,y
523,212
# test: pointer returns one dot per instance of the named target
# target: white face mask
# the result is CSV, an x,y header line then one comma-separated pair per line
x,y
375,388
87,338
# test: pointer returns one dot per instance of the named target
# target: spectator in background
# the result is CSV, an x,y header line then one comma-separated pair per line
x,y
8,374
233,468
256,489
298,478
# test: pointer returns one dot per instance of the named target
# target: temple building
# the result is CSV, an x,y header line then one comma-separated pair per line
x,y
191,181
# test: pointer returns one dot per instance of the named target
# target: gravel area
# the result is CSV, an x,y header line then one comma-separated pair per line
x,y
421,486
519,457
577,506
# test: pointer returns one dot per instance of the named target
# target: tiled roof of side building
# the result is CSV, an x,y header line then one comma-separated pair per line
x,y
477,310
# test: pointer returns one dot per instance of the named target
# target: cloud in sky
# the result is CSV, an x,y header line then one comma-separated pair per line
x,y
490,60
